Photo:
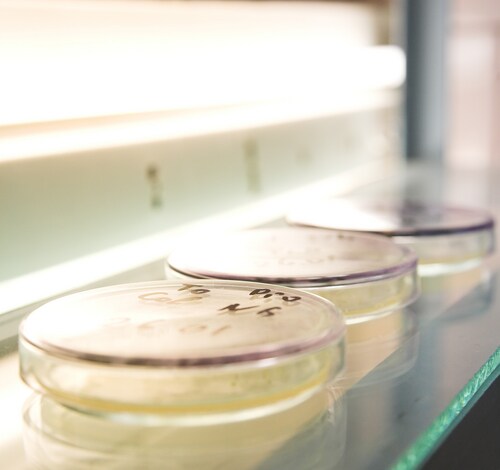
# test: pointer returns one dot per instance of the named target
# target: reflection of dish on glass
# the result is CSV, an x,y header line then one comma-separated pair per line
x,y
210,350
445,238
470,292
364,275
308,435
380,349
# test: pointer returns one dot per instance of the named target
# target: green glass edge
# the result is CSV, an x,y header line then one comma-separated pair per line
x,y
442,426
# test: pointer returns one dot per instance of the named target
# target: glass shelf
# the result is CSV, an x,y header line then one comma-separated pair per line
x,y
397,406
411,378
398,423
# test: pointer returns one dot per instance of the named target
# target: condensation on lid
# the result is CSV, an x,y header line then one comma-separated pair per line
x,y
174,323
406,218
298,257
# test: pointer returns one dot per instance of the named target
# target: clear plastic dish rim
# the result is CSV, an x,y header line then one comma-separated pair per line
x,y
263,356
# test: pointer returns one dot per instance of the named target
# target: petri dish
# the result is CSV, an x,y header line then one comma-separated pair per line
x,y
363,275
177,351
310,434
446,238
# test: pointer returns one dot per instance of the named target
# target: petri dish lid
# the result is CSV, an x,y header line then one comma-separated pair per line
x,y
297,257
180,324
446,239
407,218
